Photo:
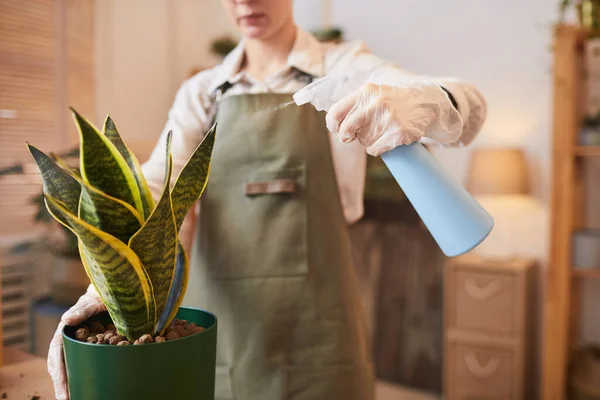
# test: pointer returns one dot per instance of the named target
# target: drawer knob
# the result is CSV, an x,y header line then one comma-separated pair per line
x,y
481,371
481,293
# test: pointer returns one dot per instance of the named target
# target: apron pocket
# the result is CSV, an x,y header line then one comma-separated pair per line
x,y
326,383
223,384
255,227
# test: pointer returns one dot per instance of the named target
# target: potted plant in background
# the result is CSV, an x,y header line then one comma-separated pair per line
x,y
584,372
145,345
223,45
329,35
590,131
588,12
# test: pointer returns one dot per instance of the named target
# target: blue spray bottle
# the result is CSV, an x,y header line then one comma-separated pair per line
x,y
454,218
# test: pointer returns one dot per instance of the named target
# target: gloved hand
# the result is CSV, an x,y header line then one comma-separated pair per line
x,y
383,117
87,305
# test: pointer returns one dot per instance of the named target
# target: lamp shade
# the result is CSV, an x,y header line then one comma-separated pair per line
x,y
498,172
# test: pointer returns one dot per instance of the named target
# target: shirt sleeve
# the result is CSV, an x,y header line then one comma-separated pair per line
x,y
356,56
189,119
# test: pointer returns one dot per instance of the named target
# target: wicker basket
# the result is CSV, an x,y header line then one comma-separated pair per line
x,y
584,375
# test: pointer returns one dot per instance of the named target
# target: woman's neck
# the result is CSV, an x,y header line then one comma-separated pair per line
x,y
266,57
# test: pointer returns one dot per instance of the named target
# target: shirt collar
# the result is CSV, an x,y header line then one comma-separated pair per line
x,y
306,55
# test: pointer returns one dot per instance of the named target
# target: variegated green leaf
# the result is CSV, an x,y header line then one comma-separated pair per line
x,y
156,242
64,165
109,214
103,167
106,213
176,292
111,132
116,272
193,177
56,181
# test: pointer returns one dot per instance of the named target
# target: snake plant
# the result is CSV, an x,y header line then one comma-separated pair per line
x,y
128,243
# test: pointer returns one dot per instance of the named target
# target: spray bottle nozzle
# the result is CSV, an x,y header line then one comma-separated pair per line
x,y
303,96
320,93
325,92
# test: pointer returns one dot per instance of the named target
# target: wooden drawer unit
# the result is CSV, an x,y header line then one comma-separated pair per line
x,y
481,372
485,302
489,326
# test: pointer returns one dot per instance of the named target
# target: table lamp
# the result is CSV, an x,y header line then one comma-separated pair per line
x,y
500,174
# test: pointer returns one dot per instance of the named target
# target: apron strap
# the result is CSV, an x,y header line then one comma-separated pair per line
x,y
301,76
217,96
304,77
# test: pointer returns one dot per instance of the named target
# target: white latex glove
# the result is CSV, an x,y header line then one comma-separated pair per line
x,y
87,305
383,117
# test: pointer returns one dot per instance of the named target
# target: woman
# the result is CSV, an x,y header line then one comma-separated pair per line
x,y
271,254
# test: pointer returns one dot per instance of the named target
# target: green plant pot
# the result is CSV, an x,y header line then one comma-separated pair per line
x,y
179,369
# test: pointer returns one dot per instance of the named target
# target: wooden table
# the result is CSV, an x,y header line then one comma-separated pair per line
x,y
24,377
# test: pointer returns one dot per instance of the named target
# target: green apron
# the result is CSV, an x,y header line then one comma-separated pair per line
x,y
272,259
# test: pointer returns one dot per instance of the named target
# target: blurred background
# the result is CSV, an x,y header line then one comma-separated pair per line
x,y
516,319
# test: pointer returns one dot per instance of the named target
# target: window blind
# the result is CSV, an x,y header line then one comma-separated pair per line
x,y
46,64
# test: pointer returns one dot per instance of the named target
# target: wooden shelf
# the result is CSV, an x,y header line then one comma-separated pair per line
x,y
586,273
562,311
587,151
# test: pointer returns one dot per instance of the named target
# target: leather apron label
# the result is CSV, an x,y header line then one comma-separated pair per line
x,y
270,187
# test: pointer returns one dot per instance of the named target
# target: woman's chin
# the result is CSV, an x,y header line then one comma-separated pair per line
x,y
255,32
